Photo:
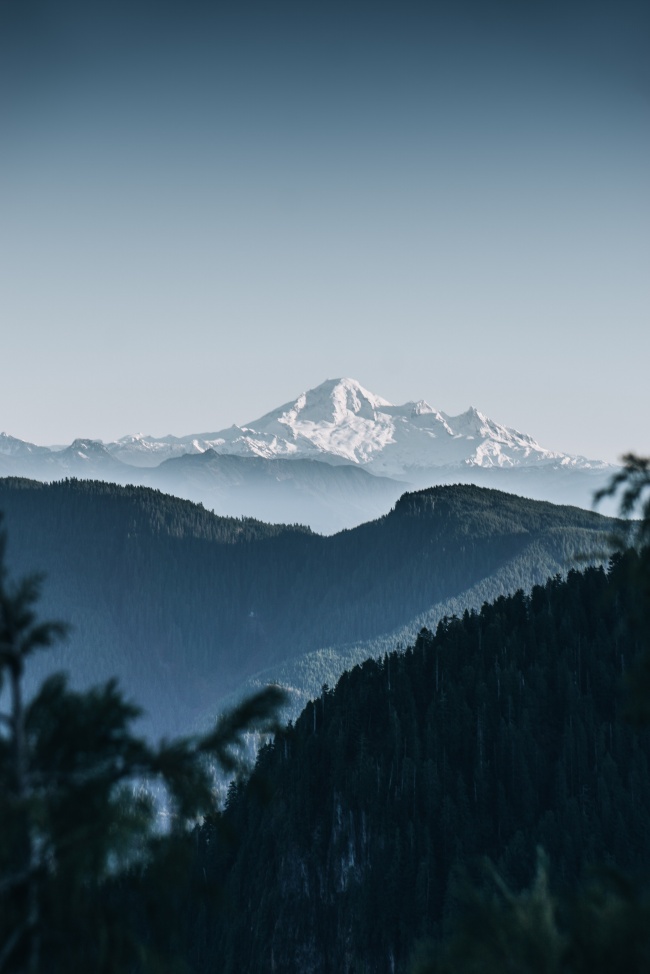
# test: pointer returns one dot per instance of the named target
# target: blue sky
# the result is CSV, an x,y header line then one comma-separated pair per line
x,y
207,208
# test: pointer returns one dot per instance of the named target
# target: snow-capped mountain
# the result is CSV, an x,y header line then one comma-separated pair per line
x,y
10,446
279,467
84,458
341,422
149,451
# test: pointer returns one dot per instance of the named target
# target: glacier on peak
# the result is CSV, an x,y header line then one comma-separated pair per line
x,y
330,402
381,448
340,421
421,408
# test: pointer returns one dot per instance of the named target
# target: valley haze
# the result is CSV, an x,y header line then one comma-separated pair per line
x,y
205,208
190,609
334,457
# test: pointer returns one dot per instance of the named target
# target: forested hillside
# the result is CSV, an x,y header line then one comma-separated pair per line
x,y
183,605
500,732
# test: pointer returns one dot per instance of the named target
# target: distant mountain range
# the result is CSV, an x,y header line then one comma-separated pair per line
x,y
336,456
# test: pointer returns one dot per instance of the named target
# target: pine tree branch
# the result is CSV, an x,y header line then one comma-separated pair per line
x,y
18,879
13,942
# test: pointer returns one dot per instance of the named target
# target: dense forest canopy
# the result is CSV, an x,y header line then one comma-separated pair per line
x,y
499,733
183,605
505,731
90,812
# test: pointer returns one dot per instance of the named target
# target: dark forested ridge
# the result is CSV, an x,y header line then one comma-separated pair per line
x,y
182,604
499,733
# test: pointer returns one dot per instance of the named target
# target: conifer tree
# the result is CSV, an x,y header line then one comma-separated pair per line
x,y
604,927
88,866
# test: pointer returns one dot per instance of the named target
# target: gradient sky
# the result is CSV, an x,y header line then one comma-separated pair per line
x,y
206,208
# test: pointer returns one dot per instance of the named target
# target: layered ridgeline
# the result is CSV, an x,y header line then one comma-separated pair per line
x,y
499,733
334,457
184,606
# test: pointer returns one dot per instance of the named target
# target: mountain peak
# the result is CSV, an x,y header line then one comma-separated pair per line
x,y
86,449
333,405
341,420
422,408
81,443
343,396
334,398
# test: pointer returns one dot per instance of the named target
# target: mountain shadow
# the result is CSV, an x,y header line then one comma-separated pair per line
x,y
183,605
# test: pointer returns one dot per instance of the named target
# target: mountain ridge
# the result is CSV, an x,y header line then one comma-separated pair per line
x,y
341,420
184,605
340,426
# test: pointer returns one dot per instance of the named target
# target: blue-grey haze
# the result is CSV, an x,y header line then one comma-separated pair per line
x,y
206,208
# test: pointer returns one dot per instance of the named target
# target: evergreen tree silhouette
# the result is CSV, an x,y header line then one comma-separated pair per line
x,y
89,871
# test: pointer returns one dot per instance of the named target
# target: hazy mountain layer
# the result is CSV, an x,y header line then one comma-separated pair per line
x,y
184,606
327,498
347,429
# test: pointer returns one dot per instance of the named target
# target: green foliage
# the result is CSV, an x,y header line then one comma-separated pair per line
x,y
509,932
634,479
81,797
601,929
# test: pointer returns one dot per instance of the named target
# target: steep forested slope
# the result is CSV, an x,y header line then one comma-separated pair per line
x,y
183,605
499,733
